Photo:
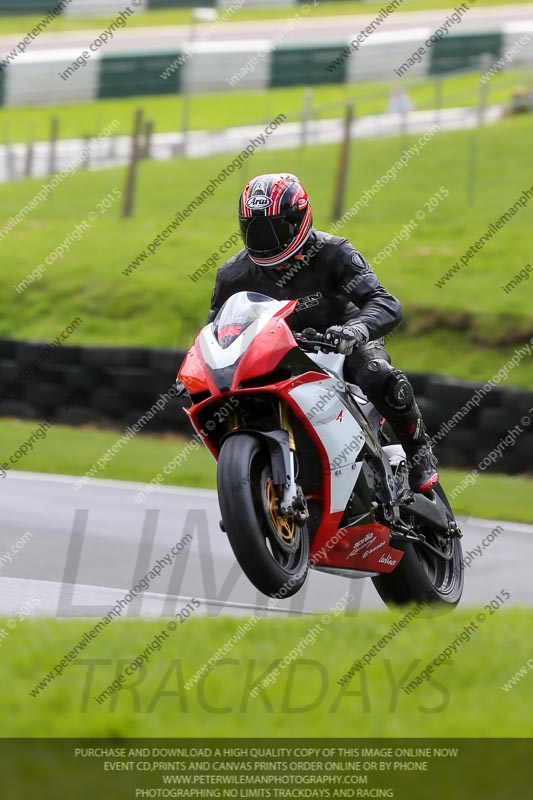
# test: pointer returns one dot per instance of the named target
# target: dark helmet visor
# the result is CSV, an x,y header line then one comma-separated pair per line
x,y
266,237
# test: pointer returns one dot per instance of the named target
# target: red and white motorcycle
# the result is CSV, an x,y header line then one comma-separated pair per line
x,y
304,476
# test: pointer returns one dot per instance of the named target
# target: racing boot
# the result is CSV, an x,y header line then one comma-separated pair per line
x,y
421,461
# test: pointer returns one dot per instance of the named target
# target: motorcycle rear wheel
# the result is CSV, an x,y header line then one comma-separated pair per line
x,y
424,577
272,550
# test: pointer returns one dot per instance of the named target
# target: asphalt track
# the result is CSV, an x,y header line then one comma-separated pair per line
x,y
88,548
319,29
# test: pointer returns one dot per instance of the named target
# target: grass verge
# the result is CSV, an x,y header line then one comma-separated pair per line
x,y
459,699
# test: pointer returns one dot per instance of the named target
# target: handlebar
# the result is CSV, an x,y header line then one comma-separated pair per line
x,y
313,340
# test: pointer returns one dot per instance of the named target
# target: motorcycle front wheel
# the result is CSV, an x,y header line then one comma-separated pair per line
x,y
272,550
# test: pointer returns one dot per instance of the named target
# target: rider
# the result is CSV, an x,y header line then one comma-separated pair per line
x,y
338,293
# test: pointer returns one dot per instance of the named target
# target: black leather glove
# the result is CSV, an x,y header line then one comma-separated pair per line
x,y
346,337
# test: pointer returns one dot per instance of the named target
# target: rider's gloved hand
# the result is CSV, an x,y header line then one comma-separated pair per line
x,y
346,337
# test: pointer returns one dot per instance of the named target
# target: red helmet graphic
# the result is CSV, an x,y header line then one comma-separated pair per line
x,y
275,218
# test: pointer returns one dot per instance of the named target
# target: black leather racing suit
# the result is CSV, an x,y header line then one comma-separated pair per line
x,y
334,284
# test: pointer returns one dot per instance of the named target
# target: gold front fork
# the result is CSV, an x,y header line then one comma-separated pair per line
x,y
292,501
285,422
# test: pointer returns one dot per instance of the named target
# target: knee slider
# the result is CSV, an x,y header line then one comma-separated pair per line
x,y
398,392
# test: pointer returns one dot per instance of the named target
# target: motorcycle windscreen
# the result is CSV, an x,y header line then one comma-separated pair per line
x,y
238,313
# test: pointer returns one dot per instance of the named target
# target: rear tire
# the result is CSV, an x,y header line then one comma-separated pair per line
x,y
422,576
273,554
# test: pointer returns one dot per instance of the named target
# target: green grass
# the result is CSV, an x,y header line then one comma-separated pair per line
x,y
73,451
160,305
449,351
460,700
225,109
492,496
23,23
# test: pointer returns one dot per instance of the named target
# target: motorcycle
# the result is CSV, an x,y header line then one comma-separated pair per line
x,y
305,476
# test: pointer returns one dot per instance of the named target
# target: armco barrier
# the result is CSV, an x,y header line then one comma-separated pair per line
x,y
464,51
102,8
87,8
211,65
154,4
125,75
25,79
12,7
116,386
298,65
382,54
518,41
221,66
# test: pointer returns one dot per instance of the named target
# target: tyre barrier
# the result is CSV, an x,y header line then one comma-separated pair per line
x,y
116,386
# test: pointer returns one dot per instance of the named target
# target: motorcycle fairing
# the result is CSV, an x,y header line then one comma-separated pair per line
x,y
258,350
339,480
362,548
332,422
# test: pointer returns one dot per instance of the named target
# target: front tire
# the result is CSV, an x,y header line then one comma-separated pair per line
x,y
423,576
272,552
